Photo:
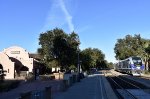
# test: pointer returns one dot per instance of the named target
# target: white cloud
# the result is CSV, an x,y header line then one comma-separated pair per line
x,y
58,16
67,15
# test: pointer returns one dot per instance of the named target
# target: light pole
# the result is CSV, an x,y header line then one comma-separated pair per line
x,y
78,42
78,65
78,61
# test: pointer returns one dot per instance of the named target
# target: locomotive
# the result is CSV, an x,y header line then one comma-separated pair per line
x,y
133,65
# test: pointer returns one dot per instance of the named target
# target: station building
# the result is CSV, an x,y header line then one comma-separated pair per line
x,y
16,62
7,66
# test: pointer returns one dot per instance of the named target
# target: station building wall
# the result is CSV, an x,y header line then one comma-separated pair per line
x,y
20,54
9,66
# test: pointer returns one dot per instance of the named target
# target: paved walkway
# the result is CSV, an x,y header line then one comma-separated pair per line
x,y
31,86
93,87
89,88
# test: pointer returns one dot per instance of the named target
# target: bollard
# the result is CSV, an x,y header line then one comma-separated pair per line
x,y
26,95
70,81
74,78
65,85
78,78
48,92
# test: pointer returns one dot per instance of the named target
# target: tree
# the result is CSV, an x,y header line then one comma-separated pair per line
x,y
129,46
91,58
58,48
110,65
147,50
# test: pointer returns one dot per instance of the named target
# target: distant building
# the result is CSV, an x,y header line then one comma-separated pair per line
x,y
37,64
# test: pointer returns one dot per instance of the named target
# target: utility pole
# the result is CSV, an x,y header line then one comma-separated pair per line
x,y
78,64
78,61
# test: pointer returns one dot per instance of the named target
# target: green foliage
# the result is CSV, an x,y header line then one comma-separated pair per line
x,y
73,67
147,72
102,64
91,58
110,65
130,46
58,49
147,49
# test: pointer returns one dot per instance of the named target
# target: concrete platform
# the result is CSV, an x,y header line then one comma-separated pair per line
x,y
29,86
93,87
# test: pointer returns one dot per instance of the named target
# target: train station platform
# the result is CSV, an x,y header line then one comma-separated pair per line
x,y
93,87
28,87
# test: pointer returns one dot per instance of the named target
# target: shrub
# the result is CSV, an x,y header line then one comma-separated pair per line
x,y
8,85
147,72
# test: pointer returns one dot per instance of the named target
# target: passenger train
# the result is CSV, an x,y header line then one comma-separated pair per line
x,y
133,65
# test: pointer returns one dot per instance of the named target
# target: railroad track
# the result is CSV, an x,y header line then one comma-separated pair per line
x,y
121,92
126,88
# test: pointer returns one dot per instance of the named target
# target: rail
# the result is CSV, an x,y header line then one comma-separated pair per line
x,y
126,91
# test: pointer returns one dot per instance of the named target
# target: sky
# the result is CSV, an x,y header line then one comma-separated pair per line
x,y
99,23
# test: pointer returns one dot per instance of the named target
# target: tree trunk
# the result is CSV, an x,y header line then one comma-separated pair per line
x,y
146,64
